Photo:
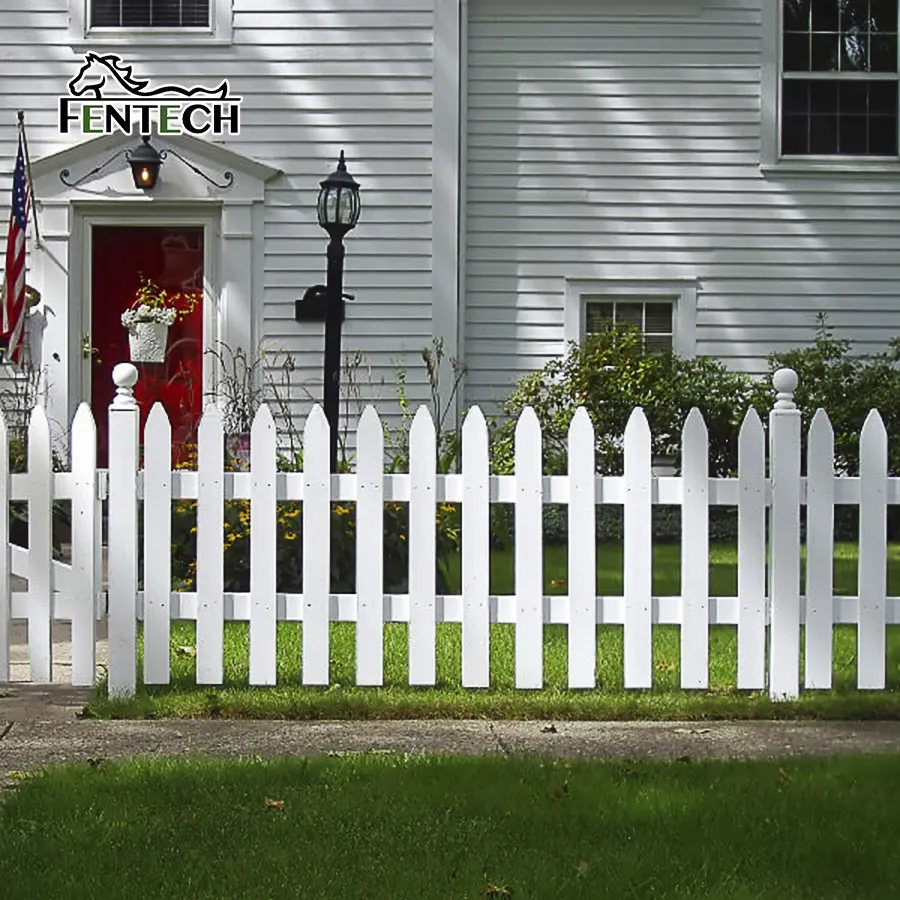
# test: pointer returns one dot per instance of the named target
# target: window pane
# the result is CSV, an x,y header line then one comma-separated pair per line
x,y
823,96
658,318
852,135
598,316
854,15
794,139
825,15
630,313
796,15
825,52
884,53
823,135
855,53
852,97
883,97
658,343
883,135
795,97
883,15
796,53
106,13
135,13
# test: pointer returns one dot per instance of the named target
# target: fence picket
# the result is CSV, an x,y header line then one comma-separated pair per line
x,y
5,556
871,662
84,511
819,552
695,552
529,552
751,628
210,536
422,549
784,536
263,545
40,546
582,563
157,540
316,547
637,551
476,561
370,550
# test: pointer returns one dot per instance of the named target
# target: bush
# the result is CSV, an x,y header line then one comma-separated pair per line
x,y
610,374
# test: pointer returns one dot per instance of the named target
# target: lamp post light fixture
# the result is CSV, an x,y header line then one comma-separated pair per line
x,y
338,211
145,162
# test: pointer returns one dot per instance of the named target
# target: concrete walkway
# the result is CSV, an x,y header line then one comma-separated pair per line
x,y
39,725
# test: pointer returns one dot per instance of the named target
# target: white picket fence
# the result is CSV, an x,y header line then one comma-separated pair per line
x,y
768,616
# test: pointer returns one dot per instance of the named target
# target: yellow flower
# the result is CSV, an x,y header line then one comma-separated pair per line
x,y
402,537
194,530
290,536
244,518
341,510
293,513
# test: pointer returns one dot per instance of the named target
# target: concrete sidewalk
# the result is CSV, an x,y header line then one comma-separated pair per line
x,y
39,725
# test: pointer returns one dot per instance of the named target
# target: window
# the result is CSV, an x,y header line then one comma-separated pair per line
x,y
654,319
664,309
149,14
839,77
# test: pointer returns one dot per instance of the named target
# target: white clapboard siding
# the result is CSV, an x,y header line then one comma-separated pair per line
x,y
695,552
784,566
263,547
582,564
157,544
5,556
476,559
40,546
638,568
316,548
529,552
872,553
370,550
751,669
84,517
422,549
819,552
210,530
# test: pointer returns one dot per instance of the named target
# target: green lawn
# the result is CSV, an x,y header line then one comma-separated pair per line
x,y
397,700
396,827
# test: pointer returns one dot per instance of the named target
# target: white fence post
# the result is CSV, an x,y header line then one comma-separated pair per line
x,y
84,511
5,556
40,546
124,418
784,539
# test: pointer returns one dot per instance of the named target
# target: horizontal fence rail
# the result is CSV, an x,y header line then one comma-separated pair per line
x,y
768,609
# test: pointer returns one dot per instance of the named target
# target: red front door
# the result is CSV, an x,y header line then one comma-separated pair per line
x,y
173,259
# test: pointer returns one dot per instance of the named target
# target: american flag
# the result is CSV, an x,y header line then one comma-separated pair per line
x,y
14,291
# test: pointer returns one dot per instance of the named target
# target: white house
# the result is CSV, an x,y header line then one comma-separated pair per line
x,y
718,170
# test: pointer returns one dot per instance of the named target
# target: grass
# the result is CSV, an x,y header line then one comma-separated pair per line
x,y
183,698
397,826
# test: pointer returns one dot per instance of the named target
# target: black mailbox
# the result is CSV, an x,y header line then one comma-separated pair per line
x,y
313,305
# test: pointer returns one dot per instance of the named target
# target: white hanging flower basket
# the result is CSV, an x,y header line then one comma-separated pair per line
x,y
147,341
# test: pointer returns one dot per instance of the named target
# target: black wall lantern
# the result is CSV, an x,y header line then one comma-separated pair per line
x,y
145,161
338,210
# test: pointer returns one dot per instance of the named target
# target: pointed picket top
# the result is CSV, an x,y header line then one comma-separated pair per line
x,y
83,426
694,426
474,420
157,419
820,428
316,422
637,423
752,433
369,429
528,422
211,420
263,420
37,422
422,424
751,419
873,430
3,430
581,428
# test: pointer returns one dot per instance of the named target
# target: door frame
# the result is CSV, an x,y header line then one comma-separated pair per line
x,y
138,216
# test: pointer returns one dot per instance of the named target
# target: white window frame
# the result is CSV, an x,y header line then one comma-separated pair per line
x,y
680,292
771,160
83,35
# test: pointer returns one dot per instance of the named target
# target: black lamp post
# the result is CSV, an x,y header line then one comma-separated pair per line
x,y
338,211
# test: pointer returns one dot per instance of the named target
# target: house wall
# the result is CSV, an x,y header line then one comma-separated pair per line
x,y
611,140
315,77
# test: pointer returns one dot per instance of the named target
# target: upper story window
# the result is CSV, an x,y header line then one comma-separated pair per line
x,y
149,13
839,77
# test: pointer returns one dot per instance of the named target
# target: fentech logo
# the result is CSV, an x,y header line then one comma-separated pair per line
x,y
106,97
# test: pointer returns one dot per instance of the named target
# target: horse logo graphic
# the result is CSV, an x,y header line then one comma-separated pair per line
x,y
98,70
